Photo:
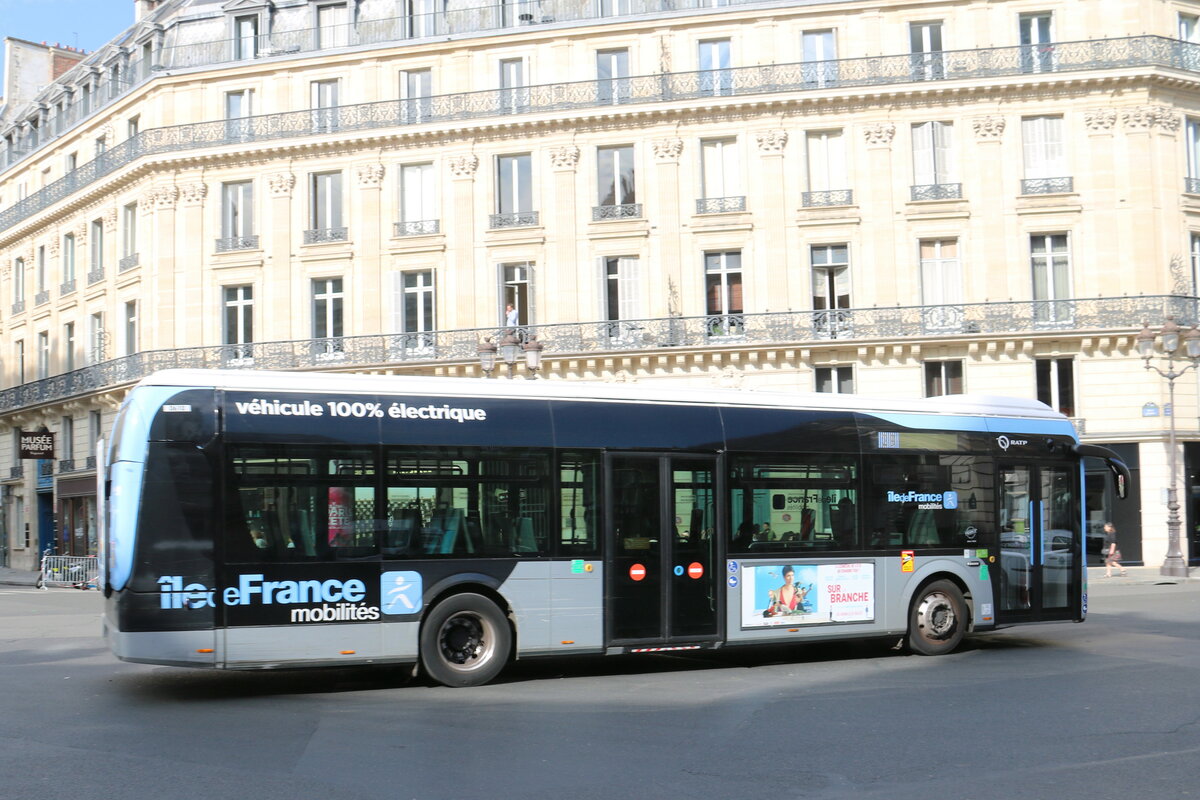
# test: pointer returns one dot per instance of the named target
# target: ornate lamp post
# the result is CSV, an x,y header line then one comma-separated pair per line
x,y
1168,340
487,357
508,350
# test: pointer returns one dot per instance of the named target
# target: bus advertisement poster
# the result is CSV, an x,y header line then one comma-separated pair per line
x,y
776,595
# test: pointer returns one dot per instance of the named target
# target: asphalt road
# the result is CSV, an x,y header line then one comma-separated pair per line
x,y
1106,709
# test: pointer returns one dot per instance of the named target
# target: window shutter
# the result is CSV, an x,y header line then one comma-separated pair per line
x,y
943,133
397,305
1032,135
629,288
923,158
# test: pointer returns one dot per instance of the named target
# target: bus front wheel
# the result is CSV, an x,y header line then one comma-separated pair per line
x,y
465,641
937,620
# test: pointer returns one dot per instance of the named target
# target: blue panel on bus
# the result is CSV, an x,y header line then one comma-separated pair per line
x,y
626,426
1009,425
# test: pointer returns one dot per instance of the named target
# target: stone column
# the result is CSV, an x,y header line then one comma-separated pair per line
x,y
274,317
189,266
874,197
989,218
564,280
161,202
672,273
368,222
468,294
771,239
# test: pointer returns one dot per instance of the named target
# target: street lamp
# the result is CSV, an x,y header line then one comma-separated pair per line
x,y
509,349
533,356
1168,339
487,357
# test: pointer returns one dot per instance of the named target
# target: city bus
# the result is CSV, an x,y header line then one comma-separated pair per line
x,y
265,520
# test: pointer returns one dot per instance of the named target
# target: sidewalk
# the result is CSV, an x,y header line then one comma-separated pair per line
x,y
1136,576
17,577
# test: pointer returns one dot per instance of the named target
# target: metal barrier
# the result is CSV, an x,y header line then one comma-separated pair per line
x,y
81,572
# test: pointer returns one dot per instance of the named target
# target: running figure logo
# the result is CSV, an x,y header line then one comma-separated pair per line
x,y
400,592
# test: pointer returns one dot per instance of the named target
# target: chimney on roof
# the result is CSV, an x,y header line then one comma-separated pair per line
x,y
143,7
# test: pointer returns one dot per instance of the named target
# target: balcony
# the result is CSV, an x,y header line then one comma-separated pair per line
x,y
127,262
41,298
1047,186
831,328
833,197
623,211
518,219
18,306
1146,52
424,227
231,243
1191,185
95,275
720,205
936,191
326,235
66,287
66,465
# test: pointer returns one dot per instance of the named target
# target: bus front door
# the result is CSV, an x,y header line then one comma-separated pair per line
x,y
662,584
1040,544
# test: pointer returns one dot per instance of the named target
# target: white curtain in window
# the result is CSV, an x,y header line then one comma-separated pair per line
x,y
1045,155
932,153
826,161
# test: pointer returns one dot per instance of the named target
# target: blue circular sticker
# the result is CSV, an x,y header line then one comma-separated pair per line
x,y
679,569
733,581
732,566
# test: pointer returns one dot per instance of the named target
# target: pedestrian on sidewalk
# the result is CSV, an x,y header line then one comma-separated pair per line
x,y
1112,556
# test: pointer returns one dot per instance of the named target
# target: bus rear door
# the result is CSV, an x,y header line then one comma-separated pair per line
x,y
662,585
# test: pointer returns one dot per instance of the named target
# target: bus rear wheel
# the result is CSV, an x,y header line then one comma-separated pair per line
x,y
465,641
937,620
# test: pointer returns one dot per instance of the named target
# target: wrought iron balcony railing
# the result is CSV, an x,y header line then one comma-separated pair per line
x,y
326,235
937,191
42,297
231,243
834,328
622,211
423,227
518,219
66,465
95,275
833,197
67,287
1097,54
1047,185
16,472
18,306
720,205
127,262
1191,185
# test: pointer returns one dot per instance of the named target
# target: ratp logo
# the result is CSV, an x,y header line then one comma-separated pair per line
x,y
1003,442
400,592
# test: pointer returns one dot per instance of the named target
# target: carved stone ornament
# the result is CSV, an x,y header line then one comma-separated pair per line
x,y
1099,120
988,129
193,194
370,176
771,142
81,234
281,184
464,166
110,221
566,157
667,151
52,246
164,197
879,134
1140,118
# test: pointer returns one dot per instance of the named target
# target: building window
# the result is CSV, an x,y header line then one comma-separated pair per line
x,y
413,306
96,250
1192,142
834,380
721,176
516,291
68,347
723,293
1194,244
129,248
1050,259
941,285
245,37
420,18
325,210
1056,383
237,217
1044,156
416,89
68,263
238,108
333,28
514,93
66,447
324,105
418,208
514,191
18,285
70,163
612,76
40,272
97,338
1036,35
827,178
327,299
830,290
715,74
130,329
818,50
925,44
19,360
43,354
616,184
132,126
239,318
933,163
943,377
622,296
95,430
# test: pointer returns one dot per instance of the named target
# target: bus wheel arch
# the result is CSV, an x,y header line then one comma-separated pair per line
x,y
466,638
939,616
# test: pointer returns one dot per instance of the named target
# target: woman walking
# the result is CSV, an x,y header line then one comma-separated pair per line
x,y
1112,556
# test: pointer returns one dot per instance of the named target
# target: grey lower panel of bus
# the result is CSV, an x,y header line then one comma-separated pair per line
x,y
185,648
891,595
557,607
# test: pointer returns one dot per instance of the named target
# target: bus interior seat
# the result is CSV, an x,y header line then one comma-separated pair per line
x,y
525,541
473,535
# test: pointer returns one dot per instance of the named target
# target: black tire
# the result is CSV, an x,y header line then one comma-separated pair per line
x,y
465,641
937,619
